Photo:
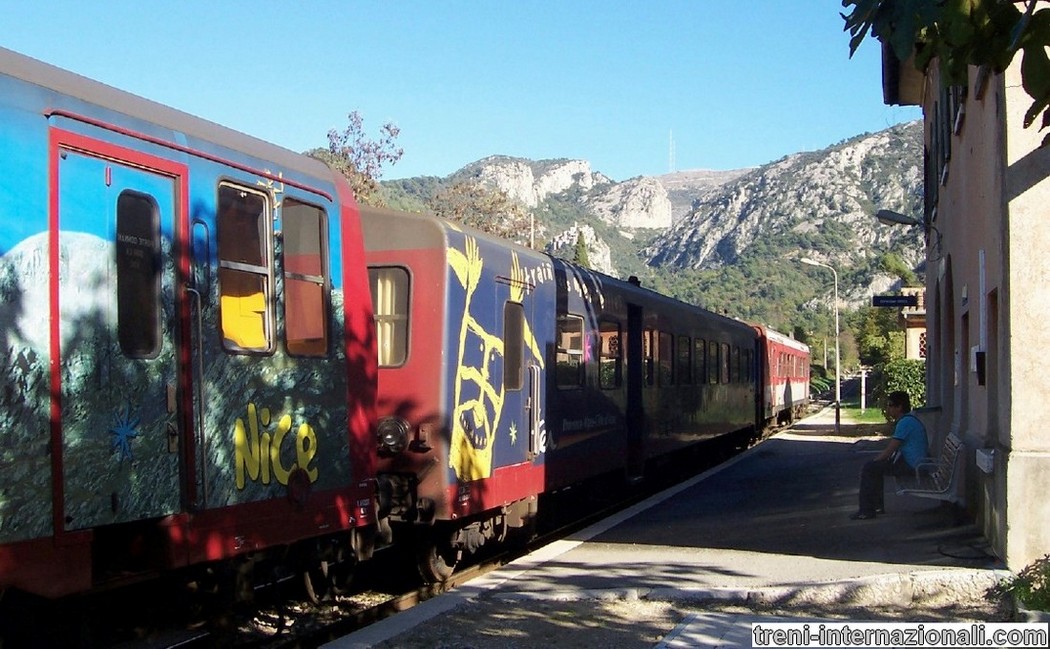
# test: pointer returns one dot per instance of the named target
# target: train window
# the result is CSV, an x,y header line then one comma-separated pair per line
x,y
305,279
723,361
699,356
138,275
513,346
390,288
734,366
245,278
712,362
666,352
649,356
569,358
610,369
685,361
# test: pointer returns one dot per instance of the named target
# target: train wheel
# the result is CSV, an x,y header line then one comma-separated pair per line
x,y
323,579
436,564
317,582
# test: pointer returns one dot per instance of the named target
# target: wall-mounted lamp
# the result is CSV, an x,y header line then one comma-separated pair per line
x,y
889,217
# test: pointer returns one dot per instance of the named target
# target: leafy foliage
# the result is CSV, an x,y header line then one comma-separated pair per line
x,y
484,208
961,33
1031,586
359,158
903,374
879,336
580,255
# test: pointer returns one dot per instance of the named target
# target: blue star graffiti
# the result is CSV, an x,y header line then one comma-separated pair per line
x,y
123,431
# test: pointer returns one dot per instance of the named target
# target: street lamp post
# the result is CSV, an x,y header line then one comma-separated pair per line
x,y
838,375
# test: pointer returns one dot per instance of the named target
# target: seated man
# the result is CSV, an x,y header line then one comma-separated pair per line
x,y
909,438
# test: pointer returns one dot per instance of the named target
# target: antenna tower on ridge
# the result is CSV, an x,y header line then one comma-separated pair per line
x,y
670,152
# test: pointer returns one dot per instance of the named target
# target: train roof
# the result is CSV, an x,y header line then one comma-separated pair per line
x,y
378,235
783,339
68,83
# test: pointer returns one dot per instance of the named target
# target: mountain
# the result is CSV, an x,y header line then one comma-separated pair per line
x,y
803,198
728,240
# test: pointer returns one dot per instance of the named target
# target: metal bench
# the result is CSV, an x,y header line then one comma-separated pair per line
x,y
937,479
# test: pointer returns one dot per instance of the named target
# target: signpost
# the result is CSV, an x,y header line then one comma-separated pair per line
x,y
895,300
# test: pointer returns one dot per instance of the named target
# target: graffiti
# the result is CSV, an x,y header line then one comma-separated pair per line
x,y
258,447
275,187
479,392
124,430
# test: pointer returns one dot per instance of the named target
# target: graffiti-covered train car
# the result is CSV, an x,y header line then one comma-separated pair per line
x,y
186,342
506,373
463,325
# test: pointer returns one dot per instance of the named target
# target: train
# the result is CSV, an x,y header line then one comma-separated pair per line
x,y
506,373
215,361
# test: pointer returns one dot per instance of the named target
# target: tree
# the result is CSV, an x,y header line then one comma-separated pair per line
x,y
489,210
579,257
961,33
359,158
894,265
879,335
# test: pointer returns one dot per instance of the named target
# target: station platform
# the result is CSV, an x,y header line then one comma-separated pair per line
x,y
764,536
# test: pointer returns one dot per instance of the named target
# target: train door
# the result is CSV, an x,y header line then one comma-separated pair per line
x,y
635,407
117,333
520,378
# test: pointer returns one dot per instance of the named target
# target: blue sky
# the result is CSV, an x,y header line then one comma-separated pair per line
x,y
736,83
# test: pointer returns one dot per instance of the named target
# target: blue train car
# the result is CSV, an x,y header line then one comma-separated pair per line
x,y
186,343
638,376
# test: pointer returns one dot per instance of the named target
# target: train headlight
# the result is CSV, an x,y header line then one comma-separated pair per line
x,y
392,435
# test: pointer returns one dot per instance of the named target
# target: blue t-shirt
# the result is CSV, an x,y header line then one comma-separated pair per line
x,y
912,434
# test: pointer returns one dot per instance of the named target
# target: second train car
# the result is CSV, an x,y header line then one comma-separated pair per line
x,y
506,373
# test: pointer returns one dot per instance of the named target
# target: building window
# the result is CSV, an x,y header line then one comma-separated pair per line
x,y
390,286
305,279
569,357
513,346
245,270
138,275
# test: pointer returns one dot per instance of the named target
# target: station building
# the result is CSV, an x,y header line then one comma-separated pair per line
x,y
987,297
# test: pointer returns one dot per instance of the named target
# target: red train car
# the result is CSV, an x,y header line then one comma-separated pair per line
x,y
785,377
186,344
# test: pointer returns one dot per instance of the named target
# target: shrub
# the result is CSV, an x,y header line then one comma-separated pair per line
x,y
904,374
1031,586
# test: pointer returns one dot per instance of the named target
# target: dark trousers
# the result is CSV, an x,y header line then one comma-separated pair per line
x,y
871,481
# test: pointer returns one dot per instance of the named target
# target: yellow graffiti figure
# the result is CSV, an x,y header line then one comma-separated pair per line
x,y
476,420
258,454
